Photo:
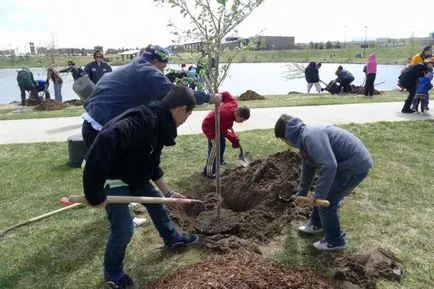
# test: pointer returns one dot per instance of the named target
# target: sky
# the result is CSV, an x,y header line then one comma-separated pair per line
x,y
136,23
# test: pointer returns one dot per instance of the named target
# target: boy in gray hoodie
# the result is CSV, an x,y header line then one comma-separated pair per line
x,y
342,162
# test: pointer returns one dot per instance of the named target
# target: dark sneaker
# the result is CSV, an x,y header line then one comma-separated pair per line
x,y
324,246
183,239
122,282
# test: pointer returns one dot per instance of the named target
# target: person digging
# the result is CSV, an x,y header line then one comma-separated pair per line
x,y
229,113
122,161
342,162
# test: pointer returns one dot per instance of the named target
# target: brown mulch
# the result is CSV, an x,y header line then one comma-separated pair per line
x,y
240,271
49,104
251,95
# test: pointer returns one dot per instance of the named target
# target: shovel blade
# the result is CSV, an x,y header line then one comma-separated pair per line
x,y
245,159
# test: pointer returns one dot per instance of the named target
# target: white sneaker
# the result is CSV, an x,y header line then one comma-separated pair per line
x,y
310,229
138,221
322,245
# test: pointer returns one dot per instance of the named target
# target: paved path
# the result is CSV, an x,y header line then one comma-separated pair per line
x,y
58,129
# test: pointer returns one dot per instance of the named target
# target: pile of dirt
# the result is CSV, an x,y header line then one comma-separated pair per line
x,y
361,90
253,201
240,271
49,104
362,270
251,95
74,102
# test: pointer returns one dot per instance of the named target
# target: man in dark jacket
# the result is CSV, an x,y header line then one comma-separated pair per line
x,y
131,85
26,82
96,69
123,160
342,162
408,79
76,71
311,73
344,78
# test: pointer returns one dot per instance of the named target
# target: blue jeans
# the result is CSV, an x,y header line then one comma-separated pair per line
x,y
212,158
121,226
58,92
327,218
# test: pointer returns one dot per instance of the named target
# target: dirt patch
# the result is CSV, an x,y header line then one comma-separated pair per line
x,y
251,95
253,201
362,270
49,104
74,102
240,271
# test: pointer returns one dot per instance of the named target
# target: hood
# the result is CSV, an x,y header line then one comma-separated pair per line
x,y
293,131
166,130
372,58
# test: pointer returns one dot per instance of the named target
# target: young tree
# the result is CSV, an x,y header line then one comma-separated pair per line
x,y
212,21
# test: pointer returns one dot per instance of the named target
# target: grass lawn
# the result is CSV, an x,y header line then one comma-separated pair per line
x,y
392,208
7,111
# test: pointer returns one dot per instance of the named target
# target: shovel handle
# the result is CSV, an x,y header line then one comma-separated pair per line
x,y
312,201
128,199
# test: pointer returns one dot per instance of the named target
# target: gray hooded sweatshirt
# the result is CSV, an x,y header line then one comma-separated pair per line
x,y
330,149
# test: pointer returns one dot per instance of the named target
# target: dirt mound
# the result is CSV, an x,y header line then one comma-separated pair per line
x,y
240,271
74,102
49,104
362,270
253,202
361,90
251,95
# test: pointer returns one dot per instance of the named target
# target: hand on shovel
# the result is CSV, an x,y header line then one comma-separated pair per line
x,y
303,200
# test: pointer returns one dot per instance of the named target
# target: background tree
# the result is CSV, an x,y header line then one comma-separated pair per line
x,y
211,21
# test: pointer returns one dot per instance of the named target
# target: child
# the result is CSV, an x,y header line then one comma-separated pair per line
x,y
229,112
422,92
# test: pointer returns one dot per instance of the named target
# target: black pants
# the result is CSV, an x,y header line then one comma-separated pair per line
x,y
369,85
89,133
346,85
33,92
409,100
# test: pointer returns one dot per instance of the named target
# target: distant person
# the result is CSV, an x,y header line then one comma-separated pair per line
x,y
26,82
345,78
337,160
192,77
371,73
424,54
54,76
311,74
76,71
408,79
422,92
229,113
96,69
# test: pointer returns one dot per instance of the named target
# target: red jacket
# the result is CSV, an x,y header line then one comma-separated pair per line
x,y
227,118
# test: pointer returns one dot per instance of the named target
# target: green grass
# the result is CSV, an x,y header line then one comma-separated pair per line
x,y
297,99
392,208
385,55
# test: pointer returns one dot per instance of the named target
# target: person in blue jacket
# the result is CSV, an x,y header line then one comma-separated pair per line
x,y
131,85
344,78
96,69
341,161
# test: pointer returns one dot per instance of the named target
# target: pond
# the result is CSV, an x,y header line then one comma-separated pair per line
x,y
264,78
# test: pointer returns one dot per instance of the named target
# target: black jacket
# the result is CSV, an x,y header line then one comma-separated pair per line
x,y
129,148
311,73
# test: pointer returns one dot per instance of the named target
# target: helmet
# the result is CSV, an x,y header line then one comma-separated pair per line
x,y
156,52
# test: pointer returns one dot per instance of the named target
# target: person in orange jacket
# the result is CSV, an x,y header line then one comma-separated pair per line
x,y
229,113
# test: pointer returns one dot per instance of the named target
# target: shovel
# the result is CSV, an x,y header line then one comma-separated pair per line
x,y
245,159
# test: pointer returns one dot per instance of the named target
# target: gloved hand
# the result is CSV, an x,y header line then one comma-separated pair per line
x,y
236,144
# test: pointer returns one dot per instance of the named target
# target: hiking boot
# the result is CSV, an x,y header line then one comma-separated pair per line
x,y
322,245
310,229
183,239
122,282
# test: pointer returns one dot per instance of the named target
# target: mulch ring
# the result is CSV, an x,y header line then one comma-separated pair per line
x,y
256,206
240,271
49,104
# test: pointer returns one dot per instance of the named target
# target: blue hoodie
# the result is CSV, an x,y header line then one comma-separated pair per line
x,y
327,148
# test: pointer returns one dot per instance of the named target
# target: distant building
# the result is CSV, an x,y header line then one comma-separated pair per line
x,y
274,42
100,48
7,52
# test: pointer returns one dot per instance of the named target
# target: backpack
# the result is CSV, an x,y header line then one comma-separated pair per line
x,y
404,78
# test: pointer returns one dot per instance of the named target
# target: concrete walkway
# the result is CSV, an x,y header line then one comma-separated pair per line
x,y
59,129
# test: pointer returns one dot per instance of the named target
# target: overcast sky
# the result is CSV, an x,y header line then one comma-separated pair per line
x,y
136,23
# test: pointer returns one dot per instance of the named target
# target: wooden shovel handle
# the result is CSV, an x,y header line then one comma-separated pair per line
x,y
128,199
312,201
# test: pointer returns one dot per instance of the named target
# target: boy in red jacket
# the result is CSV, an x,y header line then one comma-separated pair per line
x,y
229,112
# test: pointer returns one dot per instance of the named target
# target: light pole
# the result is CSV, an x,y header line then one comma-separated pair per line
x,y
345,35
364,46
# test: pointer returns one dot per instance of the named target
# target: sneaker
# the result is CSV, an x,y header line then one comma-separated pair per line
x,y
224,163
137,222
426,108
122,282
183,239
310,229
322,245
